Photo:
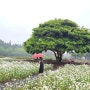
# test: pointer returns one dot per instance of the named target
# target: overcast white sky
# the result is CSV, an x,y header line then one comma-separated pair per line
x,y
19,17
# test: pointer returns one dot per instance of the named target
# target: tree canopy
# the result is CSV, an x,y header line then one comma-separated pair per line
x,y
58,35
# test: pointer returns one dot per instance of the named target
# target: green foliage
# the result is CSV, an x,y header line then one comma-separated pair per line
x,y
58,35
6,49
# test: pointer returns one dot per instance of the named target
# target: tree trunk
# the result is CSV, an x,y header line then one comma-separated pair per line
x,y
58,56
58,59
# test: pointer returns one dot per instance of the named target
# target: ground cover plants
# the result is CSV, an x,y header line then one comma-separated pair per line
x,y
69,77
12,70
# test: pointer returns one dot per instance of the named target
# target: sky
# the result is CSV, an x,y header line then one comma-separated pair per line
x,y
19,17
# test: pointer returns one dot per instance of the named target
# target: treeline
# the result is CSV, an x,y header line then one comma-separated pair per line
x,y
85,56
7,49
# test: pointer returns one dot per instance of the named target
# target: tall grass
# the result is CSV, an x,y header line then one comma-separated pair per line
x,y
13,70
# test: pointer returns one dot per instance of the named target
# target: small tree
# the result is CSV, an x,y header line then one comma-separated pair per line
x,y
58,35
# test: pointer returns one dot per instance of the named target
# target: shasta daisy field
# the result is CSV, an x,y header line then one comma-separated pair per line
x,y
68,77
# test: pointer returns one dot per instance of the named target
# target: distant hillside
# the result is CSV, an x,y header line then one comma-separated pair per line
x,y
7,49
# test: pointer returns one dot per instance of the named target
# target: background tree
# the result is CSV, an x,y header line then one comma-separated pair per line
x,y
58,35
